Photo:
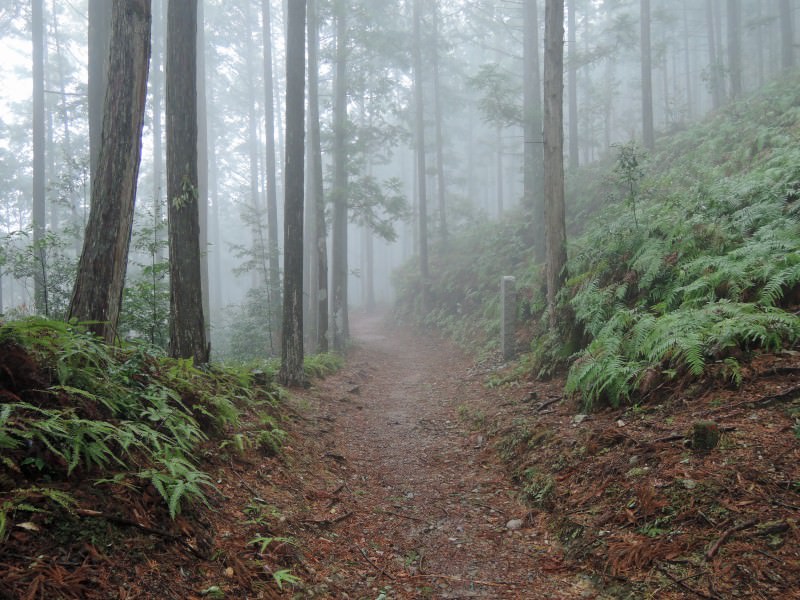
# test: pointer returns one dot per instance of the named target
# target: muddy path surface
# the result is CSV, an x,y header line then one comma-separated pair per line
x,y
420,505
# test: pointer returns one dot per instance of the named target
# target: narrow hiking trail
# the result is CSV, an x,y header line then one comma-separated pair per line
x,y
422,506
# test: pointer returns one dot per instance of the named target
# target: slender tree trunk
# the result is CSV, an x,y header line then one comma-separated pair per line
x,y
437,106
202,164
498,137
215,227
735,47
648,134
271,176
572,75
157,85
687,65
318,206
713,59
533,198
554,152
291,372
339,307
419,128
37,25
787,34
187,323
97,295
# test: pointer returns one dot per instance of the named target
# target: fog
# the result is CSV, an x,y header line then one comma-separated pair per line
x,y
473,68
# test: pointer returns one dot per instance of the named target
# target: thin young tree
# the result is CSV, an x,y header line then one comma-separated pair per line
x,y
532,126
556,237
187,323
787,34
419,143
648,134
291,372
37,27
97,295
271,179
339,298
572,84
317,198
438,118
735,47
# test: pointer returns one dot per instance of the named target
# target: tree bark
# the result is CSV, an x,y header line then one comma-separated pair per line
x,y
99,34
97,295
339,307
648,134
271,182
291,372
202,165
556,259
37,26
187,323
572,75
787,34
419,139
157,85
532,109
437,107
735,47
318,206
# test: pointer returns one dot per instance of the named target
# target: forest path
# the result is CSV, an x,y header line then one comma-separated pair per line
x,y
421,505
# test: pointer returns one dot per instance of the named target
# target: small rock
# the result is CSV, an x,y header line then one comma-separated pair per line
x,y
229,572
578,419
514,524
620,423
689,484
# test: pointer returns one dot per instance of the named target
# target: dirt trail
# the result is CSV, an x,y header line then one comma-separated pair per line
x,y
424,503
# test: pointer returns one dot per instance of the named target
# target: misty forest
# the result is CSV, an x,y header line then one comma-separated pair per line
x,y
399,300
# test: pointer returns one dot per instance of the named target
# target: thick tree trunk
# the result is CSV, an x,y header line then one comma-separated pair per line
x,y
419,140
99,34
187,323
37,26
291,372
339,307
648,134
554,152
318,206
97,296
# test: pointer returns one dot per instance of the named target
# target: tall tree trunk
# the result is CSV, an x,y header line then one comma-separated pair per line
x,y
99,35
318,206
419,135
787,34
291,372
735,47
437,107
97,295
157,85
648,134
37,26
713,59
187,323
339,307
572,75
554,152
202,164
271,175
533,198
687,65
498,139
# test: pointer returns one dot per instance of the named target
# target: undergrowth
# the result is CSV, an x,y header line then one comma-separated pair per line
x,y
681,274
73,408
